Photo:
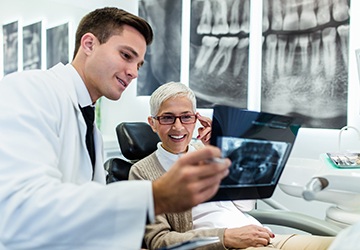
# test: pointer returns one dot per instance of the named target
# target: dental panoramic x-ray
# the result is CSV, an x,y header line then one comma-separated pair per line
x,y
10,42
219,44
304,57
252,161
305,60
258,145
32,46
162,59
57,43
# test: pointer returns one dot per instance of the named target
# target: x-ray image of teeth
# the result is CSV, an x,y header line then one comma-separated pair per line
x,y
32,46
162,59
305,60
219,46
252,161
10,47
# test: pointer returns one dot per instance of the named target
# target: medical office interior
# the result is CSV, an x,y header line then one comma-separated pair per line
x,y
50,21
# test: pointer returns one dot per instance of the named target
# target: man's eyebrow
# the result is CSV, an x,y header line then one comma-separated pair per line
x,y
132,51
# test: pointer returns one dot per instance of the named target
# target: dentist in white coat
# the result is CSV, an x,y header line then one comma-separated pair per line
x,y
50,196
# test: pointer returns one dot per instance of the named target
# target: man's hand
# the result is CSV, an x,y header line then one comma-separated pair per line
x,y
204,133
193,179
247,236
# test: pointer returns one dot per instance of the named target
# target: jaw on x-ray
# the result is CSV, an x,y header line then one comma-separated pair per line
x,y
252,161
258,145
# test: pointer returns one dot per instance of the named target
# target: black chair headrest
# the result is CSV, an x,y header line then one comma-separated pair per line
x,y
136,140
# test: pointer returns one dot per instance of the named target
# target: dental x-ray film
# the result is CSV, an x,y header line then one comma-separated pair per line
x,y
258,145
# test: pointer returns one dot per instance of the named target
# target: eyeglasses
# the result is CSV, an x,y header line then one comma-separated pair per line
x,y
170,119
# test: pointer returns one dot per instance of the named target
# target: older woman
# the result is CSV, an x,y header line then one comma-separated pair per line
x,y
173,118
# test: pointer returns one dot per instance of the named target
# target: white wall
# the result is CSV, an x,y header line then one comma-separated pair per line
x,y
53,13
310,142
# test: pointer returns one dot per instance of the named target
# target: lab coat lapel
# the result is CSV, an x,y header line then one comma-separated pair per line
x,y
64,77
99,162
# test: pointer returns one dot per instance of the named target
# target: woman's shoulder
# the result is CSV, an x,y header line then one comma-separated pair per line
x,y
148,168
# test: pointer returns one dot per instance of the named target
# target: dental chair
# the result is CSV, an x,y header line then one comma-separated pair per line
x,y
137,140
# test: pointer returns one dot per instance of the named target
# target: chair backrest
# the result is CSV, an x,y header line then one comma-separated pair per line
x,y
136,141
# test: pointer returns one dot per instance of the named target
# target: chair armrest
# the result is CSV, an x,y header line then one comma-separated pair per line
x,y
296,220
118,169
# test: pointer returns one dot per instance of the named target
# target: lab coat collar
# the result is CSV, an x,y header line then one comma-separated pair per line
x,y
82,92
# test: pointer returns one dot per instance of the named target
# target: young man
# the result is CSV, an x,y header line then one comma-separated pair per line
x,y
53,194
173,118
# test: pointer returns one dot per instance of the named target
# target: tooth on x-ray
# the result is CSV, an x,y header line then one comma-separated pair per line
x,y
226,45
204,26
315,40
323,12
329,48
270,53
206,49
290,56
265,16
304,53
240,55
307,16
276,17
291,18
234,18
245,20
220,18
340,10
343,31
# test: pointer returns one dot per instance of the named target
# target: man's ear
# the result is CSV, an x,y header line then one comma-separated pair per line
x,y
152,124
88,41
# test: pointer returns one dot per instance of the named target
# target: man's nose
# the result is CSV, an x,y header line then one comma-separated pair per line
x,y
132,71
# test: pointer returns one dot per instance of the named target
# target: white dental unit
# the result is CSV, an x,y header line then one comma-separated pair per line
x,y
321,180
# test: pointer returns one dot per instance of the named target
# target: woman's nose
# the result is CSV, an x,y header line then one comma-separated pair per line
x,y
177,123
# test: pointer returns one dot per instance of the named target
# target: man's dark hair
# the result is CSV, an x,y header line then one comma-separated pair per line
x,y
105,22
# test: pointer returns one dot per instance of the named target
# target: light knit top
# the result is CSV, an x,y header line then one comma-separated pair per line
x,y
207,219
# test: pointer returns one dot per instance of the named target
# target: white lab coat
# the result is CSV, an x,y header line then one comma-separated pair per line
x,y
47,198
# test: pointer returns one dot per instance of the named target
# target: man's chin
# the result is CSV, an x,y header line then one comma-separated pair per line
x,y
114,97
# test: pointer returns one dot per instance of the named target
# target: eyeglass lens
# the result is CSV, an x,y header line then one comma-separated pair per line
x,y
169,119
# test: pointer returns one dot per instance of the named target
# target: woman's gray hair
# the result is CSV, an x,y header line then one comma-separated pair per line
x,y
170,90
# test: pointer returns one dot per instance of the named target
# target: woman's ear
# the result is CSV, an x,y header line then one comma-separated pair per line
x,y
152,123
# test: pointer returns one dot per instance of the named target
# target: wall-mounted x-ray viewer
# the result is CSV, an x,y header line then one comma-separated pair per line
x,y
258,145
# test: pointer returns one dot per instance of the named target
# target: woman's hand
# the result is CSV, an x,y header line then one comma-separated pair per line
x,y
204,132
247,236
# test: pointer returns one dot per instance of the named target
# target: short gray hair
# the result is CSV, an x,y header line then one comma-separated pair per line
x,y
169,90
